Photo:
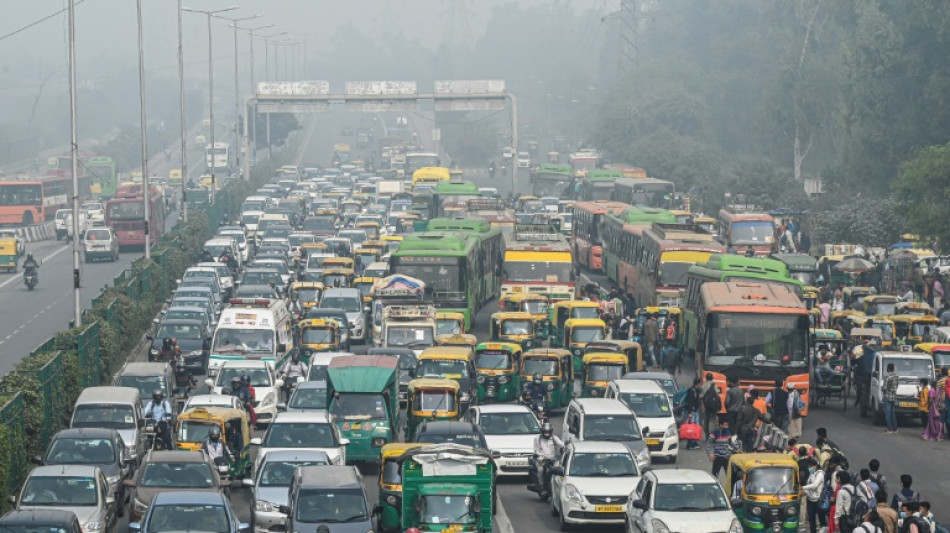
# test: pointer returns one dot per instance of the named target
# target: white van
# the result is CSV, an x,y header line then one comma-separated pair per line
x,y
251,328
910,368
650,403
99,243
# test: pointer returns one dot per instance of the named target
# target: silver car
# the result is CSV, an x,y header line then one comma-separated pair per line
x,y
81,489
269,488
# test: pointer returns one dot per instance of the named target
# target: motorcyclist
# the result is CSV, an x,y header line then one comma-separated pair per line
x,y
547,447
538,391
491,169
170,350
31,267
184,381
216,449
292,371
228,260
241,392
246,382
160,411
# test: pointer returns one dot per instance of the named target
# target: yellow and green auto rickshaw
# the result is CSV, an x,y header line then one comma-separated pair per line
x,y
598,369
306,293
497,366
365,285
631,349
565,310
392,243
810,297
465,340
518,328
192,428
431,399
578,332
319,335
880,304
854,296
337,277
765,491
911,329
913,308
556,367
363,257
388,508
371,227
939,351
449,323
451,362
537,305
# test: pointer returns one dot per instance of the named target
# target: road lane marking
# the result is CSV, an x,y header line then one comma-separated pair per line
x,y
504,524
43,260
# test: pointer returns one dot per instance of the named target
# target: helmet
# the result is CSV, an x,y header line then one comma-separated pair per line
x,y
546,430
538,378
295,357
179,366
29,256
215,433
235,382
246,379
157,394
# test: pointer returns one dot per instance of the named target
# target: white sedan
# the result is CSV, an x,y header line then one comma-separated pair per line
x,y
510,429
266,386
593,482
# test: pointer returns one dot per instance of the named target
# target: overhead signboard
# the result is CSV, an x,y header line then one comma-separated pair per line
x,y
470,105
294,88
380,106
292,107
470,87
379,88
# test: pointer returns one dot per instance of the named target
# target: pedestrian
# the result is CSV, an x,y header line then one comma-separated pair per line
x,y
734,400
923,400
911,521
712,403
844,492
795,406
691,404
870,523
825,309
906,493
874,466
812,489
890,399
929,517
670,358
866,489
747,419
933,430
777,403
651,335
720,446
888,515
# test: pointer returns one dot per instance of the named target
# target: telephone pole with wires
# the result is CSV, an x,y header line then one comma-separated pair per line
x,y
629,56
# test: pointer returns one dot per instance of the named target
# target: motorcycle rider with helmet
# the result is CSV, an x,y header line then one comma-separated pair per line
x,y
216,449
184,381
538,393
547,447
160,411
31,267
293,370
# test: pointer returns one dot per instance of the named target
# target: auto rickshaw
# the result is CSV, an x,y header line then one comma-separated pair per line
x,y
537,305
518,328
365,285
364,257
457,339
407,223
456,363
913,308
392,243
578,332
631,349
887,327
9,254
339,262
837,386
598,370
378,245
854,296
911,329
765,491
557,370
880,304
843,318
319,335
431,399
388,509
306,293
371,227
939,351
449,323
523,201
337,277
810,297
192,428
814,318
496,364
308,248
565,310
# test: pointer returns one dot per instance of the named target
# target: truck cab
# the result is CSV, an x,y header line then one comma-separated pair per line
x,y
910,368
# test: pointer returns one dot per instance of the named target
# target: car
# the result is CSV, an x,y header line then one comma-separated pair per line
x,y
100,447
507,152
328,499
100,243
663,378
602,419
252,291
593,482
80,489
456,432
681,500
269,488
351,302
261,276
649,401
307,396
312,430
193,339
171,471
524,160
279,264
40,520
225,283
195,512
241,238
212,400
187,312
210,292
510,430
266,386
147,378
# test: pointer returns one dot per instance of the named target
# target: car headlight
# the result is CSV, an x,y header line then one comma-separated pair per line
x,y
659,526
643,456
480,379
264,507
671,431
88,527
791,510
756,511
195,352
269,399
502,380
735,526
571,493
392,500
112,480
550,385
139,506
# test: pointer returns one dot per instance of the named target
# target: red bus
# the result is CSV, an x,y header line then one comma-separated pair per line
x,y
587,229
125,214
29,201
742,231
666,253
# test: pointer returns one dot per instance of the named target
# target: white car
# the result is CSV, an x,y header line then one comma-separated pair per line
x,y
681,500
95,210
524,160
510,430
648,400
308,430
593,482
507,152
266,386
212,400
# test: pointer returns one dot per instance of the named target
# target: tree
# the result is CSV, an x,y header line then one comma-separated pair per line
x,y
281,126
922,191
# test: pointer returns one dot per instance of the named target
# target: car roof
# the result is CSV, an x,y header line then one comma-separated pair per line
x,y
638,385
211,399
65,470
341,291
328,477
683,475
176,456
320,384
599,446
449,426
320,417
189,497
109,395
92,433
601,406
245,363
647,375
183,321
143,369
37,517
503,408
296,455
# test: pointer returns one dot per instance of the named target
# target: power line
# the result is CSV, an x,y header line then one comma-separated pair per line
x,y
38,22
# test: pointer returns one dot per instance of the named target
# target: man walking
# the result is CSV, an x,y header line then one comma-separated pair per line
x,y
734,401
720,447
651,335
890,399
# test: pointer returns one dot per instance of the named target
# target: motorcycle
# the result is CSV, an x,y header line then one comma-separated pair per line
x,y
150,435
181,396
538,408
30,279
540,481
289,384
223,465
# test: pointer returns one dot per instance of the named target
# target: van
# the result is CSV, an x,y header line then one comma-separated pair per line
x,y
606,419
100,243
649,401
327,498
910,368
118,408
252,328
147,378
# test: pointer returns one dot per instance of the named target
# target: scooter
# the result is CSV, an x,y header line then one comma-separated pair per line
x,y
30,279
540,482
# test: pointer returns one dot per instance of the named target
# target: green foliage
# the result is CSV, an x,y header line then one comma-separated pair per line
x,y
471,140
872,221
923,189
281,126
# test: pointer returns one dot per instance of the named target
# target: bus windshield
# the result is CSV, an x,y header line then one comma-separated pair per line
x,y
538,271
131,210
752,232
757,340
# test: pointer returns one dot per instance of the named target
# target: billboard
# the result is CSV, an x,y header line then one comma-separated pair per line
x,y
294,88
379,88
470,87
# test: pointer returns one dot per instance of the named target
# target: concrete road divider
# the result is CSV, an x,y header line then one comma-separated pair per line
x,y
38,232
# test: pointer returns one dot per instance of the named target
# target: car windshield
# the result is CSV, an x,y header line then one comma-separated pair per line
x,y
256,277
448,326
330,506
145,384
177,475
548,271
314,335
917,368
184,517
673,273
647,405
260,377
179,331
350,305
603,465
307,398
492,360
60,491
300,435
771,481
320,223
432,400
308,295
447,509
109,416
359,406
604,372
545,367
234,340
752,232
585,312
517,327
175,314
690,497
250,219
281,473
81,451
98,235
611,427
193,430
587,334
403,336
509,423
443,368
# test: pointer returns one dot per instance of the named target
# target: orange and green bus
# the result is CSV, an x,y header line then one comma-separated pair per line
x,y
742,231
661,263
587,228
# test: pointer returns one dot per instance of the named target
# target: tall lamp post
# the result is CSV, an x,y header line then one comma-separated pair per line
x,y
237,84
252,122
209,14
146,197
267,39
74,156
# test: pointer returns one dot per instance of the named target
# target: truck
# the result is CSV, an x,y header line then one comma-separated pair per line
x,y
388,187
402,318
341,153
365,402
448,487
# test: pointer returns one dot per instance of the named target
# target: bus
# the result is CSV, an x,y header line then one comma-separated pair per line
x,y
419,160
622,233
553,180
598,184
429,177
757,334
647,192
587,225
30,201
449,197
538,260
218,159
125,214
628,171
732,267
661,264
583,162
103,179
491,244
494,211
449,264
742,231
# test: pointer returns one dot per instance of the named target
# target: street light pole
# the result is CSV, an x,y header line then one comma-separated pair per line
x,y
237,85
74,155
146,197
267,52
181,113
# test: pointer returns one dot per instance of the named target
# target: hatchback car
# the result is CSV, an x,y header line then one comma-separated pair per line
x,y
600,419
510,430
351,302
269,488
80,489
312,430
455,432
40,520
308,396
593,483
195,512
681,500
99,447
170,471
647,399
266,386
193,340
212,400
147,378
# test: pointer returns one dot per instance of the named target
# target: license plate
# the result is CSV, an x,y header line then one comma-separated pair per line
x,y
355,426
653,442
518,463
907,404
608,508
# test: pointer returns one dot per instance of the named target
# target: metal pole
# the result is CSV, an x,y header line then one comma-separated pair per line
x,y
214,184
247,144
237,100
74,154
514,138
184,126
146,197
266,59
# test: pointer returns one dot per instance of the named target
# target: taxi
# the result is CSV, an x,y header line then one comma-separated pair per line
x,y
518,328
496,364
320,335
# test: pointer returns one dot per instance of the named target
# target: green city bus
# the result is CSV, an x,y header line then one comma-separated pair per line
x,y
492,244
365,402
450,197
598,184
553,180
622,235
102,177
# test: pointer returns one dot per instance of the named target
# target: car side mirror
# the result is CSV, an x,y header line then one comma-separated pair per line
x,y
344,442
278,383
736,503
281,347
37,460
128,482
284,509
377,509
875,374
210,383
135,527
645,431
247,482
640,504
110,500
12,500
557,470
281,407
256,441
149,337
156,322
244,527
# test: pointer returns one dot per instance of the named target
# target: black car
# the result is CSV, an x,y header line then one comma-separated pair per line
x,y
34,520
441,431
192,338
262,276
95,447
